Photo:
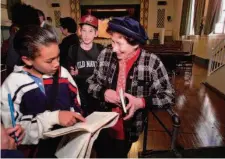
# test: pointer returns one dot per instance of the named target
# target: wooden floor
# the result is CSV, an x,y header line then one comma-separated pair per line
x,y
202,114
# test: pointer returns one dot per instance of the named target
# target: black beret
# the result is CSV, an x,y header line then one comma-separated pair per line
x,y
128,27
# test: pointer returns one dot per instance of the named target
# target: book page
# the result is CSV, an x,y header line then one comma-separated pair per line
x,y
75,147
95,136
99,119
63,131
84,149
93,122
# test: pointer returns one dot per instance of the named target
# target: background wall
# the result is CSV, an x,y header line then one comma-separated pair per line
x,y
108,2
65,8
202,45
171,9
40,4
177,10
152,21
4,15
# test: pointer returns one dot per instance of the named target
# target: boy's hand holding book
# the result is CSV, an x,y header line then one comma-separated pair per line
x,y
67,118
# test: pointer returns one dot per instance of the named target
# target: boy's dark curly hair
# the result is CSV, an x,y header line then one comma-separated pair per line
x,y
23,14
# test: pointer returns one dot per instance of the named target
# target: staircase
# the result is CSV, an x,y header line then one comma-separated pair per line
x,y
217,59
216,69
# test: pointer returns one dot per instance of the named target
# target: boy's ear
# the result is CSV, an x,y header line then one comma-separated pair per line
x,y
27,60
96,33
66,30
79,31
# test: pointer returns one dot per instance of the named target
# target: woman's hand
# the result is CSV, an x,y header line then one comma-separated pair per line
x,y
73,71
133,105
67,118
18,131
112,96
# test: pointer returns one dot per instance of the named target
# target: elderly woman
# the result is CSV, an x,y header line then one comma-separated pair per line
x,y
139,74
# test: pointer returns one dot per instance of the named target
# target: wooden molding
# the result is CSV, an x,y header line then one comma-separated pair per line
x,y
4,6
219,93
201,61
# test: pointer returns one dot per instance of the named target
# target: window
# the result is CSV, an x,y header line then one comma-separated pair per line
x,y
190,28
220,25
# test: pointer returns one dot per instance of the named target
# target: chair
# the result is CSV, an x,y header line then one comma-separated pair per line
x,y
185,62
170,65
173,134
155,39
174,119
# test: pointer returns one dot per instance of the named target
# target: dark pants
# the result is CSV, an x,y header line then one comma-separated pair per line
x,y
11,154
107,147
45,148
88,103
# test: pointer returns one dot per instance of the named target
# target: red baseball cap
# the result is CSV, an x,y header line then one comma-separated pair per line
x,y
89,20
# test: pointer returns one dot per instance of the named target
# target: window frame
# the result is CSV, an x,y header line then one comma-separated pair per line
x,y
220,21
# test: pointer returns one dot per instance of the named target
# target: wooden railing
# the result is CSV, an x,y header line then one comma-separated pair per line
x,y
217,59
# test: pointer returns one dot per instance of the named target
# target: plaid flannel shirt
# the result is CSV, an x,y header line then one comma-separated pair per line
x,y
146,79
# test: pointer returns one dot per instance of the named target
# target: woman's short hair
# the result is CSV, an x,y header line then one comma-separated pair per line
x,y
29,38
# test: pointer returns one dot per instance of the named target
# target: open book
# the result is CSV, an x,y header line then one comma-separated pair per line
x,y
78,139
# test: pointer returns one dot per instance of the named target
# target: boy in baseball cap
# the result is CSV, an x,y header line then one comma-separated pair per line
x,y
83,59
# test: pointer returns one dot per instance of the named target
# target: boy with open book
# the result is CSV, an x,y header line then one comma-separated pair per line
x,y
44,94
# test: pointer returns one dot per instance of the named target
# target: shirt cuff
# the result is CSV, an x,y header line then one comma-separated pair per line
x,y
54,117
143,102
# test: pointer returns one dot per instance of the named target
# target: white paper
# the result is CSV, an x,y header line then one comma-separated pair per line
x,y
95,136
74,147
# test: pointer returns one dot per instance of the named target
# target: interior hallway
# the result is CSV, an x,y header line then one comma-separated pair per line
x,y
201,112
